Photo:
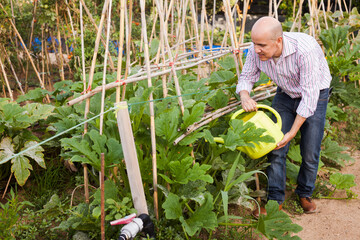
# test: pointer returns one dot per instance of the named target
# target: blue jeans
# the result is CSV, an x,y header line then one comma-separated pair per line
x,y
312,132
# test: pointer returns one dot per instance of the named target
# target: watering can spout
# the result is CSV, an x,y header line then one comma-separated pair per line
x,y
261,120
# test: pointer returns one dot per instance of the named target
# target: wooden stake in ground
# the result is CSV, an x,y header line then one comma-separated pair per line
x,y
102,123
97,30
121,47
6,80
86,179
151,105
131,161
27,53
12,69
61,57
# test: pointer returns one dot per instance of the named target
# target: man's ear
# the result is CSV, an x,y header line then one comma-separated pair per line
x,y
279,40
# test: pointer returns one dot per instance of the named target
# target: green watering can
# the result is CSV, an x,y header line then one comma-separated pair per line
x,y
261,120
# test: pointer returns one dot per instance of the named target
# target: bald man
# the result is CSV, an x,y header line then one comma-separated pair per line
x,y
296,63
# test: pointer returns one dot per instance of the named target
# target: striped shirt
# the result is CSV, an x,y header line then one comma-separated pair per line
x,y
301,71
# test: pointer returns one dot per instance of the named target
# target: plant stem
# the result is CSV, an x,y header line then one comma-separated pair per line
x,y
238,224
188,207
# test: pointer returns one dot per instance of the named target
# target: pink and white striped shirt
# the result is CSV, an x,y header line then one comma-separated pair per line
x,y
301,71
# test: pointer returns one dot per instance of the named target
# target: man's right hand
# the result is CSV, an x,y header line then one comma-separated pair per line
x,y
247,103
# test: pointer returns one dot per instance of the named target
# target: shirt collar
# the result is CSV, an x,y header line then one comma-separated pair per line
x,y
288,46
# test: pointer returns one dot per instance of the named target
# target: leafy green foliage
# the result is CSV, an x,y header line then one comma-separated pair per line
x,y
10,215
277,224
342,181
89,149
240,134
182,172
334,153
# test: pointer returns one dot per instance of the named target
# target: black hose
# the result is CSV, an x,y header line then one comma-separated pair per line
x,y
148,225
122,237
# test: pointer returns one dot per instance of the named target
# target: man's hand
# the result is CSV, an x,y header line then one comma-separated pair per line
x,y
286,139
299,120
247,103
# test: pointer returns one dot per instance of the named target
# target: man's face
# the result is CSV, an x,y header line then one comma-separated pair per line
x,y
265,46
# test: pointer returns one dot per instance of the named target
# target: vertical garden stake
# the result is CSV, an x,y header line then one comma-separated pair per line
x,y
151,105
131,161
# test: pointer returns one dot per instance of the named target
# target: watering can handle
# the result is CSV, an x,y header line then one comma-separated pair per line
x,y
277,115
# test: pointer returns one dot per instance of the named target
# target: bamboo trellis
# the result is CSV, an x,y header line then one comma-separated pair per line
x,y
172,55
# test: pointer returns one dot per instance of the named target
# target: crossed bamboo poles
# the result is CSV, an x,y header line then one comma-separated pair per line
x,y
168,60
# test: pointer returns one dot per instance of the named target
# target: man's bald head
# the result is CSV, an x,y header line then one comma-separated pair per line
x,y
268,26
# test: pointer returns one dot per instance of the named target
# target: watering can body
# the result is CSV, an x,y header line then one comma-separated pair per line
x,y
261,120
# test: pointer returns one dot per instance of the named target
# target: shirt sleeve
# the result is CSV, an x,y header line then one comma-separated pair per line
x,y
310,90
250,72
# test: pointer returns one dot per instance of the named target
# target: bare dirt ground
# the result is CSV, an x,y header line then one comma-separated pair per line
x,y
335,219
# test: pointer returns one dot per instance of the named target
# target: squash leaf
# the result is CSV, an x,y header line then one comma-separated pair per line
x,y
172,207
203,217
196,114
342,181
277,224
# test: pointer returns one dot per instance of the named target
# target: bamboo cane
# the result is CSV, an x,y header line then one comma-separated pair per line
x,y
12,69
151,105
30,43
162,49
97,30
177,86
13,19
66,37
86,181
71,22
43,53
96,48
61,57
7,185
6,80
275,9
102,122
300,13
156,74
27,52
121,42
19,61
102,196
213,24
128,29
270,7
325,18
232,33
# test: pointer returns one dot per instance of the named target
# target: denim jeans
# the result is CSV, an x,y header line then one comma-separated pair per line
x,y
312,132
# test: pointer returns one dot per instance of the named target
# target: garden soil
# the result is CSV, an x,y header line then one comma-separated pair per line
x,y
335,219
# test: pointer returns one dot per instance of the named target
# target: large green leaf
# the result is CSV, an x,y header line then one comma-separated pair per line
x,y
342,181
7,149
166,124
182,172
35,153
37,111
98,141
21,168
277,224
333,152
172,207
227,63
79,148
203,217
221,76
219,100
196,114
292,171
